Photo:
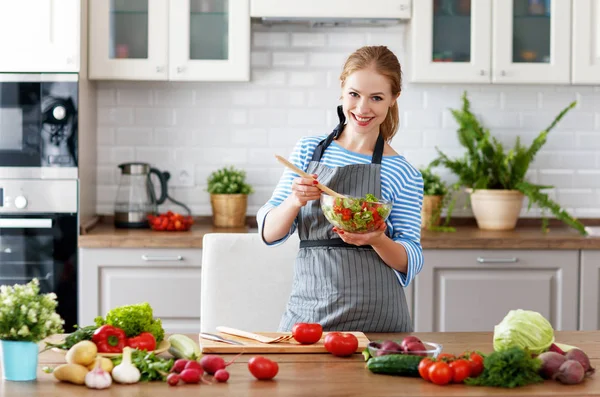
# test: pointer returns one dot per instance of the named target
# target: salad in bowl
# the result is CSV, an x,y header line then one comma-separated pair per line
x,y
356,214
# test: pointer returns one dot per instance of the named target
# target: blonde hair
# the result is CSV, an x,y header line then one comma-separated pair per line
x,y
385,63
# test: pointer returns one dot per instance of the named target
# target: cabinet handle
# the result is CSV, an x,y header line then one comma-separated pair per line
x,y
503,73
497,260
162,258
180,69
482,72
159,69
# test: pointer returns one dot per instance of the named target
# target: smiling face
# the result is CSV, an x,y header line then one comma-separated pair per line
x,y
366,99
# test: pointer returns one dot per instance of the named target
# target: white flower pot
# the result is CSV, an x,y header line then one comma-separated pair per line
x,y
496,209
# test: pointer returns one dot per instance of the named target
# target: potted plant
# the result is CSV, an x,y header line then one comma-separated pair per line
x,y
26,318
229,197
495,178
436,196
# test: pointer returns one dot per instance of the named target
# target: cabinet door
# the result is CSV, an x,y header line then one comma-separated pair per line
x,y
451,41
209,40
40,35
586,33
168,279
589,300
531,41
472,290
128,39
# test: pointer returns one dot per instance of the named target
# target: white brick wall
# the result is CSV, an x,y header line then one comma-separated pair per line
x,y
199,127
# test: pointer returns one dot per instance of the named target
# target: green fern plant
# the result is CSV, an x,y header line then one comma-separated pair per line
x,y
433,185
228,180
487,165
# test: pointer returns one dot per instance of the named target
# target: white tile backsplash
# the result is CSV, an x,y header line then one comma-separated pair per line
x,y
293,92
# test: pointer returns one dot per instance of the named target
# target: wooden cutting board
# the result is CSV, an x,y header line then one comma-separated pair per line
x,y
252,346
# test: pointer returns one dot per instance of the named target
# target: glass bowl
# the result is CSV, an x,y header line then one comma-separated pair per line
x,y
432,350
355,214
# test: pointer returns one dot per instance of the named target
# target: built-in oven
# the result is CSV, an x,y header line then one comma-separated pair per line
x,y
38,125
38,239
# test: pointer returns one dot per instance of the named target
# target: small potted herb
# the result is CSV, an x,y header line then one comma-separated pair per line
x,y
436,196
229,197
26,318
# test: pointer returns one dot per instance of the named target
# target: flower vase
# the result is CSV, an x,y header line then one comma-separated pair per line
x,y
19,360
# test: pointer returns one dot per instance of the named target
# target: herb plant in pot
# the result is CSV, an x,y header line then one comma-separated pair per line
x,y
495,178
26,318
436,196
229,197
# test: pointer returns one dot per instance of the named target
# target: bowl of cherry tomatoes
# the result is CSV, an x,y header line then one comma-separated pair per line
x,y
170,222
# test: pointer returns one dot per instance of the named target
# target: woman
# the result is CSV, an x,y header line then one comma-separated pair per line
x,y
349,281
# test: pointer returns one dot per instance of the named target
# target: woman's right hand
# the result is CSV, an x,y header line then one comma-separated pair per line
x,y
305,190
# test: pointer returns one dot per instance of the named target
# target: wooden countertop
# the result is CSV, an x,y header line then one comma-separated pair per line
x,y
468,236
326,375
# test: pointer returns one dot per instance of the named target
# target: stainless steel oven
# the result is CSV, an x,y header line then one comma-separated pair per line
x,y
38,125
38,238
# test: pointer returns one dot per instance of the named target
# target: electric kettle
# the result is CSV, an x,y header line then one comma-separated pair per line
x,y
136,198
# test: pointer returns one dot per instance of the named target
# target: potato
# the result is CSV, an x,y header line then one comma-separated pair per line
x,y
105,363
82,353
72,373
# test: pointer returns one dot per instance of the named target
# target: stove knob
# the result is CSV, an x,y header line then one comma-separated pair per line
x,y
59,112
20,202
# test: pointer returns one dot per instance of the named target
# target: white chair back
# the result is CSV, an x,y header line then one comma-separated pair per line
x,y
245,283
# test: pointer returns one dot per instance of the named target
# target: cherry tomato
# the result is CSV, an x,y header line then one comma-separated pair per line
x,y
476,362
461,369
341,344
307,333
262,368
440,373
424,368
447,357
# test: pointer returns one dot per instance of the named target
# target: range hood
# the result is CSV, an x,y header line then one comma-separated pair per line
x,y
331,12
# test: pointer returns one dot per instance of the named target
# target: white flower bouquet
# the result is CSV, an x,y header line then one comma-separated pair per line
x,y
26,315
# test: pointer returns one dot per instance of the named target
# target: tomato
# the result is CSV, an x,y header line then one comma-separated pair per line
x,y
461,369
262,368
307,333
341,344
476,362
447,357
424,368
440,373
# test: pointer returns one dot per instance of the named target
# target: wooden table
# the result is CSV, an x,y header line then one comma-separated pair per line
x,y
326,375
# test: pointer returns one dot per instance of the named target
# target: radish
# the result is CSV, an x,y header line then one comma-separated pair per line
x,y
221,375
190,376
212,363
179,365
195,365
173,379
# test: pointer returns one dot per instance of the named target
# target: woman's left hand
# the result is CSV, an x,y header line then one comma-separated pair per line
x,y
370,238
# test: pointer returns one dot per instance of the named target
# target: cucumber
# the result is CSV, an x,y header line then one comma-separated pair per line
x,y
184,347
395,364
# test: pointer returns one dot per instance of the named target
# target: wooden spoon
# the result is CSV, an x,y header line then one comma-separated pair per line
x,y
304,174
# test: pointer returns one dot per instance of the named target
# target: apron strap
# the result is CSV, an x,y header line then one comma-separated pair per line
x,y
334,242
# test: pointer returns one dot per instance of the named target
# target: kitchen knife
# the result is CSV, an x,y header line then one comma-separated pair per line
x,y
218,338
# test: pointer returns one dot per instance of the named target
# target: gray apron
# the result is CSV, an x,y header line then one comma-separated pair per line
x,y
342,286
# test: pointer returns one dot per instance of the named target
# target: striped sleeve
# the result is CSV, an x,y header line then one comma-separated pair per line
x,y
300,157
404,183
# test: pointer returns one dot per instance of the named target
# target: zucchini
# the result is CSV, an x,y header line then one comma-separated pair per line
x,y
395,364
184,347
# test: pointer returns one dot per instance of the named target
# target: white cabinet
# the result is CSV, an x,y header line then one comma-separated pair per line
x,y
589,299
40,35
168,279
177,40
586,33
491,41
472,290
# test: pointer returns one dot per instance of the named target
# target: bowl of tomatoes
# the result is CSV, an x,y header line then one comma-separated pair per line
x,y
410,345
170,222
356,214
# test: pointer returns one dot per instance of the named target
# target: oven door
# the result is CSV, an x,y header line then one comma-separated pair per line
x,y
42,246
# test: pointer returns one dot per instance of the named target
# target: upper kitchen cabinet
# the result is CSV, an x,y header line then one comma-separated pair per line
x,y
40,36
451,41
586,33
491,41
179,40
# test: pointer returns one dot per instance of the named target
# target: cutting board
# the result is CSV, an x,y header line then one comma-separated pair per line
x,y
252,346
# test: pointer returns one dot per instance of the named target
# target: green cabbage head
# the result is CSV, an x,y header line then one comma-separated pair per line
x,y
525,329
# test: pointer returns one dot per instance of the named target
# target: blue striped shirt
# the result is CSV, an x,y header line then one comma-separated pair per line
x,y
401,183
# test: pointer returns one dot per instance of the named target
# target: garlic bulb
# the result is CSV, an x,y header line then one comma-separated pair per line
x,y
98,378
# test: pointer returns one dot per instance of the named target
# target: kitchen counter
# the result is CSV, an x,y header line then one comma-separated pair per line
x,y
326,375
105,235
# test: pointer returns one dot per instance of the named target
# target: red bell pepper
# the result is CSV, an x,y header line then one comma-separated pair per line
x,y
109,339
144,341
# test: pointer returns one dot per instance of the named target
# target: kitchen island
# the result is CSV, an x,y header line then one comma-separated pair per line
x,y
326,375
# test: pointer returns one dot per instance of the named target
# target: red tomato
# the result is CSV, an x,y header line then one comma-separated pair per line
x,y
307,333
424,368
440,373
447,357
262,368
461,369
341,344
476,362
